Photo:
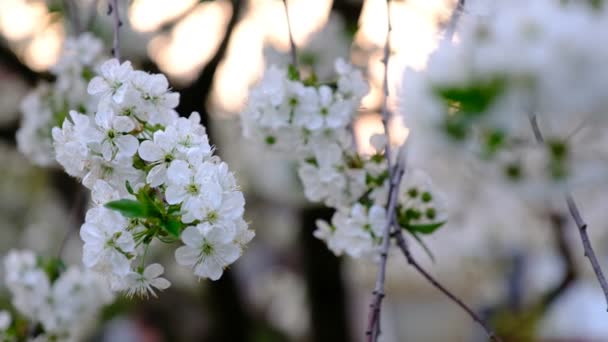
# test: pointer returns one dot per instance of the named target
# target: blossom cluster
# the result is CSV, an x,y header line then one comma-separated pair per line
x,y
62,301
523,61
48,104
313,122
153,175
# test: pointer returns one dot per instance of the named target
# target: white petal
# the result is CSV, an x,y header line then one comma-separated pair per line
x,y
192,237
175,194
153,271
127,144
157,175
149,151
186,256
160,283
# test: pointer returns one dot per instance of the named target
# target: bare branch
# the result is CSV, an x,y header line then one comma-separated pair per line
x,y
580,223
402,244
561,243
71,13
454,18
395,175
292,44
113,9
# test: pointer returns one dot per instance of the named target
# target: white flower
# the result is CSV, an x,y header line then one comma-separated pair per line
x,y
70,143
195,187
113,81
113,135
334,113
208,250
350,82
154,94
160,152
108,247
143,283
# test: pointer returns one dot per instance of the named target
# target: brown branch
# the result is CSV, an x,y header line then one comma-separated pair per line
x,y
562,246
577,217
373,323
395,175
292,44
454,18
402,244
113,9
70,9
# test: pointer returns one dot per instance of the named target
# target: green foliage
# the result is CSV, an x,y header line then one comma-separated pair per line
x,y
293,73
129,208
467,104
149,210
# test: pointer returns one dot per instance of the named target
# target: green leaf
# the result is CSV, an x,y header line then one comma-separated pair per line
x,y
474,99
129,208
292,73
424,229
173,226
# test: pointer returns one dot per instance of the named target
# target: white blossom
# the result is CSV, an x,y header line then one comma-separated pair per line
x,y
208,250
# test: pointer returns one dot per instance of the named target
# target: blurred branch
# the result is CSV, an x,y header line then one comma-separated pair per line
x,y
395,176
113,9
70,10
402,244
454,18
292,44
566,254
349,10
580,223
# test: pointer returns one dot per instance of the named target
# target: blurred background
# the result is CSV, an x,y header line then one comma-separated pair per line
x,y
518,262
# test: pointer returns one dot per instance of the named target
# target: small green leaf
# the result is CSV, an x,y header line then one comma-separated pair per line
x,y
292,73
129,208
173,226
424,229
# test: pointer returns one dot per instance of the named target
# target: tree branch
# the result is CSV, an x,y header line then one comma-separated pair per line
x,y
561,242
454,18
402,244
292,44
395,176
113,9
577,217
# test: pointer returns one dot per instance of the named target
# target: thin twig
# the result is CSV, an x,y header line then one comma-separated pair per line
x,y
402,244
70,8
292,44
561,244
113,9
578,220
395,175
454,18
373,323
91,15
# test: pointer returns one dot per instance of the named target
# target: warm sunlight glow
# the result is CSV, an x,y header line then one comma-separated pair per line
x,y
369,124
149,15
44,49
233,77
192,42
306,16
20,19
